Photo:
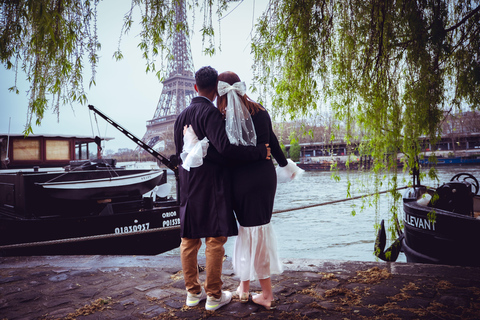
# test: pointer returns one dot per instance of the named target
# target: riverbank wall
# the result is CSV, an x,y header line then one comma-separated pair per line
x,y
152,287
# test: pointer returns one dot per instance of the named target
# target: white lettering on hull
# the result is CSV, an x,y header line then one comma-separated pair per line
x,y
133,228
171,223
169,214
420,223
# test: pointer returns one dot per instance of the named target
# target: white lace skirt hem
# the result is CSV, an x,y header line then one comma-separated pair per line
x,y
255,255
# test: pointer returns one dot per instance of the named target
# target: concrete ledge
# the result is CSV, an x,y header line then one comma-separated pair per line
x,y
139,287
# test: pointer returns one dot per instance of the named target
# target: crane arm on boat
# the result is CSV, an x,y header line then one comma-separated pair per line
x,y
170,163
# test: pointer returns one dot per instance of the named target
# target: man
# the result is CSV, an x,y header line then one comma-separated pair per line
x,y
205,198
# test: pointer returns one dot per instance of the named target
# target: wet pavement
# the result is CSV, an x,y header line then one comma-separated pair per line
x,y
151,287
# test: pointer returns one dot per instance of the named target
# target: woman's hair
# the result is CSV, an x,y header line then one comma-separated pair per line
x,y
230,78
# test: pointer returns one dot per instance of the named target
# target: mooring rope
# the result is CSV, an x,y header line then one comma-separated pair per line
x,y
336,201
87,238
104,236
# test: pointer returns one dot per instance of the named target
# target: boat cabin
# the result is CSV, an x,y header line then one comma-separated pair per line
x,y
18,151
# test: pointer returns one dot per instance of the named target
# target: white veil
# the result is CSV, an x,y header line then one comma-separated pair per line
x,y
239,124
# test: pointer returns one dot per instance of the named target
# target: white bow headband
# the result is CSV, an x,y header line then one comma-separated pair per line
x,y
238,121
238,87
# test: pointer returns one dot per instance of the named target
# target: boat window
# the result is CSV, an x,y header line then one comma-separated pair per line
x,y
82,151
57,149
26,149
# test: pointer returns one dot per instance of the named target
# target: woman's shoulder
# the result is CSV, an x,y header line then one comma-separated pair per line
x,y
262,113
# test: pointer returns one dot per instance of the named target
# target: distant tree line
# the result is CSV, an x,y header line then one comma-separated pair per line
x,y
125,154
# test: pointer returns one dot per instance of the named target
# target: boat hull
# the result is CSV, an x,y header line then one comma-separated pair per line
x,y
24,193
457,161
141,232
107,220
452,239
315,166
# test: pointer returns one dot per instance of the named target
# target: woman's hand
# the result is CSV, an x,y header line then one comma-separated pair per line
x,y
185,128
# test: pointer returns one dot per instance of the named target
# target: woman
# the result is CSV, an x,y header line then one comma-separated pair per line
x,y
254,187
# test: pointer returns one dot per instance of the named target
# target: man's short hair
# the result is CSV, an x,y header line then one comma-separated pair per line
x,y
206,78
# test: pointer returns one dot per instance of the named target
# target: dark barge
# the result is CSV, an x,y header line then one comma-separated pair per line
x,y
85,207
444,230
440,226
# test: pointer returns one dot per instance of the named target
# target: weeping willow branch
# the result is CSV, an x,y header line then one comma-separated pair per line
x,y
388,69
50,40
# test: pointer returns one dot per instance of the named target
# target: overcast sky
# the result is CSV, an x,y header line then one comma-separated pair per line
x,y
123,90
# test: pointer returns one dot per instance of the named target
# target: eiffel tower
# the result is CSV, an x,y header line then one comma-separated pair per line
x,y
177,90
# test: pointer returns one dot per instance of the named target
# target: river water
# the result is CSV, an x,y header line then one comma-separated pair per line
x,y
331,231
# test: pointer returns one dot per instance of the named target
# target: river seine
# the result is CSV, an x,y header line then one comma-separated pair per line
x,y
331,231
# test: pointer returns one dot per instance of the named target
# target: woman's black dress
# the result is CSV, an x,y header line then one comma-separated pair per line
x,y
255,183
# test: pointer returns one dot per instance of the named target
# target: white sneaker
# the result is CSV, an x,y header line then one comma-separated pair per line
x,y
213,304
194,299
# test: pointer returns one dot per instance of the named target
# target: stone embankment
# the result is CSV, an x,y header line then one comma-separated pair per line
x,y
144,287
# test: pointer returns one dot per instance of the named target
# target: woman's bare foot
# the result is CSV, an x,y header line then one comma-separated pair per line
x,y
259,299
242,296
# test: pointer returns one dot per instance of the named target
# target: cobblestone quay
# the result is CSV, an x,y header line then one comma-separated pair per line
x,y
151,287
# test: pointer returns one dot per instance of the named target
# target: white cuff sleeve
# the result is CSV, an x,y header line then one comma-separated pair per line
x,y
289,172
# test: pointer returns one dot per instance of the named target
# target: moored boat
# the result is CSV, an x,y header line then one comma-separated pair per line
x,y
316,166
131,225
473,159
440,226
100,185
445,230
84,206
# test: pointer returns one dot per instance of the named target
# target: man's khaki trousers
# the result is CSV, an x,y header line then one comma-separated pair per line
x,y
214,253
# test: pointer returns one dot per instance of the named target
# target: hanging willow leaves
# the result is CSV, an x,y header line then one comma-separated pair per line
x,y
390,70
50,40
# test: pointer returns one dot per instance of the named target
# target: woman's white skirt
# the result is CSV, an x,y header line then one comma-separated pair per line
x,y
255,255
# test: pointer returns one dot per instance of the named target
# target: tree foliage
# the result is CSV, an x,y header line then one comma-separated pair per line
x,y
395,69
50,41
391,67
295,149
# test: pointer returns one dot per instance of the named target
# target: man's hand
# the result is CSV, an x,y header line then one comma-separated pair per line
x,y
268,151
